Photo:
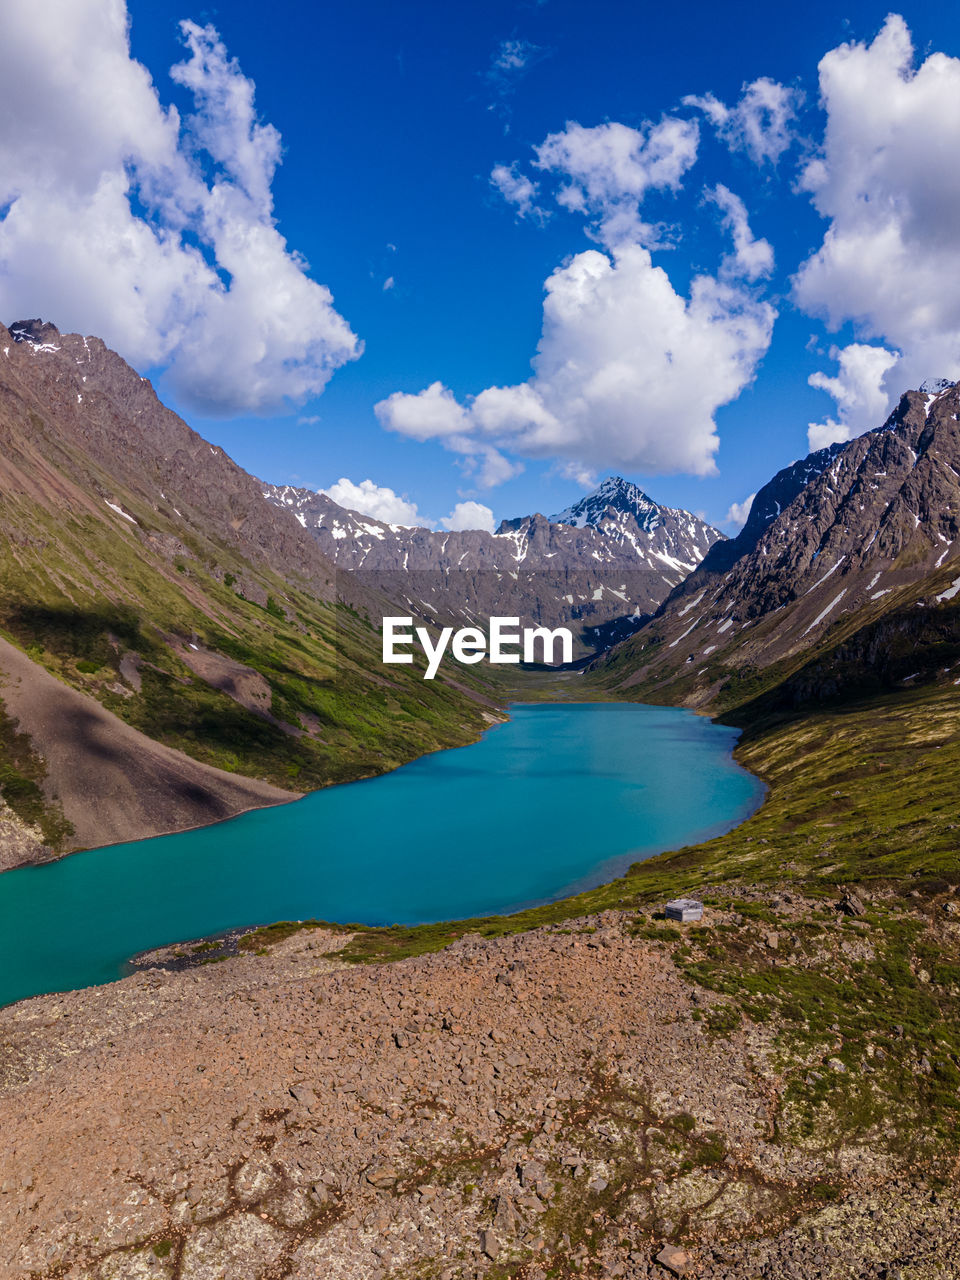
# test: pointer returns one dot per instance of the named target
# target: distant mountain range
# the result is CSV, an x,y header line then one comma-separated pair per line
x,y
601,567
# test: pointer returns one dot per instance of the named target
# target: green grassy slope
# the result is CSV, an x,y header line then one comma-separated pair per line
x,y
82,589
332,714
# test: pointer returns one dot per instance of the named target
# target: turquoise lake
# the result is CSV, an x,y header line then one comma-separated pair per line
x,y
560,798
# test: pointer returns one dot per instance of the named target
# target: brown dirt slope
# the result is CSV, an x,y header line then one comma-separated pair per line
x,y
113,782
549,1105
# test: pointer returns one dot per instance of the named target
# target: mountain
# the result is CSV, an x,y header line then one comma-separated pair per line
x,y
151,598
614,498
775,496
832,544
600,567
668,539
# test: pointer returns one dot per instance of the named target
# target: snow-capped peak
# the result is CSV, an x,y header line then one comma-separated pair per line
x,y
622,495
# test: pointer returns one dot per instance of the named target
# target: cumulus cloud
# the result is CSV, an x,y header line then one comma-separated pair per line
x,y
761,123
432,414
608,169
436,414
156,233
469,515
516,188
858,389
888,183
383,503
738,511
629,373
375,500
751,257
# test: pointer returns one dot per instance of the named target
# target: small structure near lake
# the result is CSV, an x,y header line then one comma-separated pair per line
x,y
684,909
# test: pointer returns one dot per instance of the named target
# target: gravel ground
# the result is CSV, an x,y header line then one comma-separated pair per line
x,y
543,1105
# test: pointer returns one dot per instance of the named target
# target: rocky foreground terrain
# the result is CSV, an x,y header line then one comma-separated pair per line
x,y
563,1102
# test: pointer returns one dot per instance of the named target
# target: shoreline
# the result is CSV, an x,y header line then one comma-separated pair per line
x,y
184,953
292,798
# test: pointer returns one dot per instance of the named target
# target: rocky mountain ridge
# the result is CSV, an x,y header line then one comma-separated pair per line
x,y
112,431
614,494
837,539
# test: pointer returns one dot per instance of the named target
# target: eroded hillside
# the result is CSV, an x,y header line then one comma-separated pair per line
x,y
144,569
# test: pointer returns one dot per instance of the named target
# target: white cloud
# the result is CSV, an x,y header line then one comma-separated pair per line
x,y
388,284
155,233
858,389
486,464
586,477
516,188
888,181
514,55
738,512
432,414
628,373
609,168
383,503
469,515
435,414
224,124
378,501
753,258
761,124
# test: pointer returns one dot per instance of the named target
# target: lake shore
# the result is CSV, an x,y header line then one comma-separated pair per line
x,y
560,799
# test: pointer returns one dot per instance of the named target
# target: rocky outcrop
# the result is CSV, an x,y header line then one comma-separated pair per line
x,y
21,843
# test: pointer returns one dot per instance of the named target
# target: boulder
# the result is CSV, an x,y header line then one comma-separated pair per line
x,y
675,1260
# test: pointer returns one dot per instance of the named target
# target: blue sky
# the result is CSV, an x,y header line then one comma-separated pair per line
x,y
391,119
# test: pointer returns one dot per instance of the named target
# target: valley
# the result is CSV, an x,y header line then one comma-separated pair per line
x,y
142,570
580,1087
386,849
